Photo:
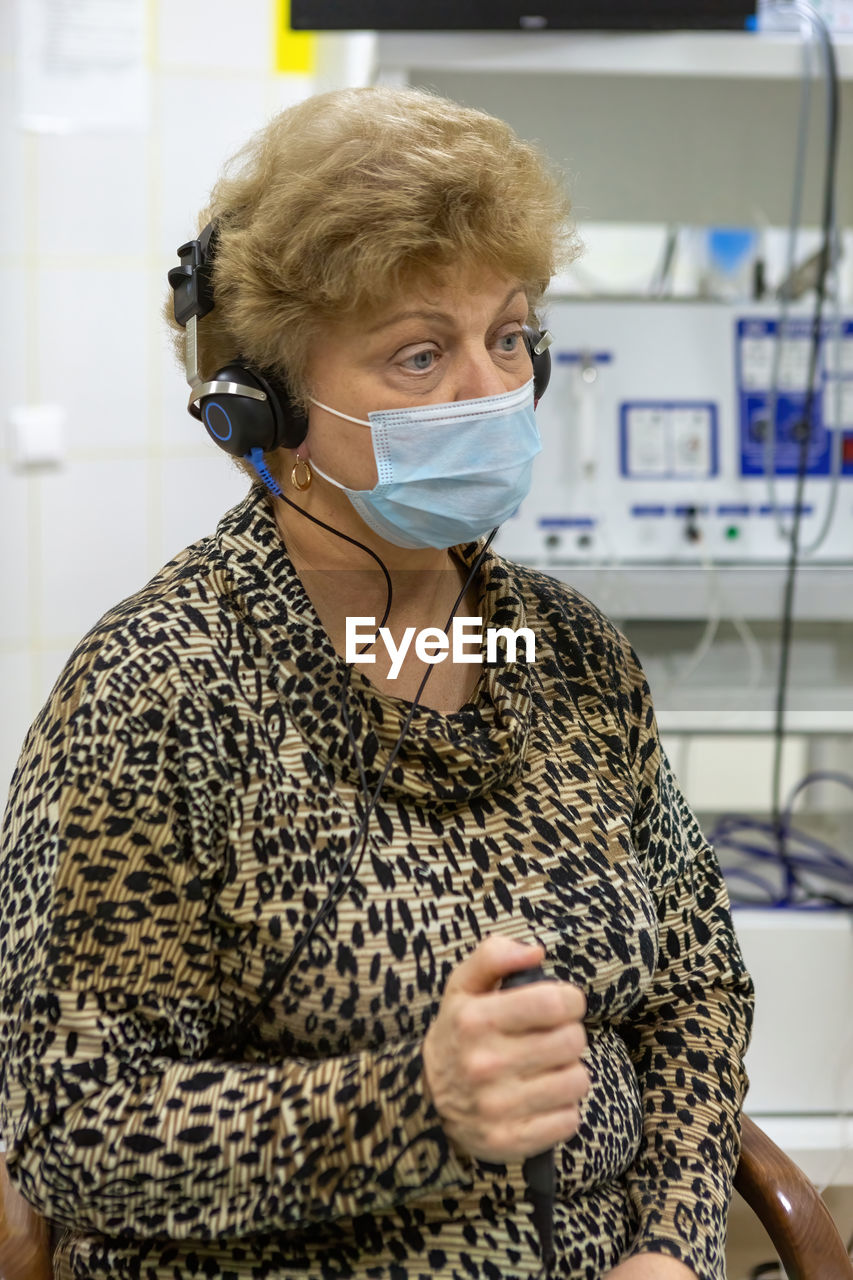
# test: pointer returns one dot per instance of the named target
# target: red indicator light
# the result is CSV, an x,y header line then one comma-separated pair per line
x,y
847,449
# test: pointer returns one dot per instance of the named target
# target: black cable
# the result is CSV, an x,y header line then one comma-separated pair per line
x,y
363,832
256,459
281,973
805,430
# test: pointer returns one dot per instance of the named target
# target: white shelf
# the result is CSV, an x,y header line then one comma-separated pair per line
x,y
728,54
823,592
731,719
821,1145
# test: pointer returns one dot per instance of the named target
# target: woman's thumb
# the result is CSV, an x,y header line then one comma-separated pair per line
x,y
494,958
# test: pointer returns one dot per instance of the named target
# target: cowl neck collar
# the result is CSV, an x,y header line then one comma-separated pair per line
x,y
445,760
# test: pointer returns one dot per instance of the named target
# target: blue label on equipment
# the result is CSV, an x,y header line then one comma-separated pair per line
x,y
774,447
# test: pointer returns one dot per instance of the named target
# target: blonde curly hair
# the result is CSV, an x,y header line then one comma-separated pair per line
x,y
341,201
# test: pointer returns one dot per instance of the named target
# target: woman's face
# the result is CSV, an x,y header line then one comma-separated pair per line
x,y
459,340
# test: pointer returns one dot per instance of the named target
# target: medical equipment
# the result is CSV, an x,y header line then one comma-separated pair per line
x,y
658,440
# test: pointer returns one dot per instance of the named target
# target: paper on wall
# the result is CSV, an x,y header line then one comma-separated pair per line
x,y
82,65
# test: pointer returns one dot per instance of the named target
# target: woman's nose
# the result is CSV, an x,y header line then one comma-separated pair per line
x,y
478,376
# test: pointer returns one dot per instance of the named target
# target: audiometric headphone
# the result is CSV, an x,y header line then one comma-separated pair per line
x,y
244,408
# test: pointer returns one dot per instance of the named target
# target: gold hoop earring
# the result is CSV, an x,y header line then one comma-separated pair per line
x,y
307,476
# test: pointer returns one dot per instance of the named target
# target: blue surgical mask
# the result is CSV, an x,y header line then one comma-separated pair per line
x,y
448,473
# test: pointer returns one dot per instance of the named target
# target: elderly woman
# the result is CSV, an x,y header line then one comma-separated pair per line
x,y
265,891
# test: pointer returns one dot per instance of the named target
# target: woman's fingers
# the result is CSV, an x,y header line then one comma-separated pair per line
x,y
540,1051
540,1006
549,1093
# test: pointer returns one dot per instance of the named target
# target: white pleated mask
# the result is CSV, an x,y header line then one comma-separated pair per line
x,y
447,473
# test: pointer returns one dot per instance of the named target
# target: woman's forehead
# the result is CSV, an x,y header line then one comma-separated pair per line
x,y
450,293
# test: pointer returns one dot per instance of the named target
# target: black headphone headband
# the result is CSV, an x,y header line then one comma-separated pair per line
x,y
244,408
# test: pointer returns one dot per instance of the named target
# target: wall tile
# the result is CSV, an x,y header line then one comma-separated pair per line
x,y
95,547
93,356
47,667
16,307
93,194
13,232
16,712
220,115
16,569
195,495
285,91
202,33
26,679
8,26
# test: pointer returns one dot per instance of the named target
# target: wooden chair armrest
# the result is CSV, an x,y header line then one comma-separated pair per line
x,y
799,1225
24,1236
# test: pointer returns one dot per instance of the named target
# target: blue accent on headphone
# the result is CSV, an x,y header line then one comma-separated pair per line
x,y
213,404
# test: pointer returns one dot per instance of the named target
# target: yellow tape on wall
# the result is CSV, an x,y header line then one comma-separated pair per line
x,y
295,51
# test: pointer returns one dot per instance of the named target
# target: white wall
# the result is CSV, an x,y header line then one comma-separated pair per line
x,y
89,225
671,149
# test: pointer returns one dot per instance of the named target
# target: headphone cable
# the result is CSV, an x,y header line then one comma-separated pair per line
x,y
283,971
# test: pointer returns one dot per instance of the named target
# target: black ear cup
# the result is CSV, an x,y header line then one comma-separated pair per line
x,y
541,361
239,423
242,409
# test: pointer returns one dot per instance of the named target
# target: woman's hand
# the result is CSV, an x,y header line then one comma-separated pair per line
x,y
650,1266
503,1067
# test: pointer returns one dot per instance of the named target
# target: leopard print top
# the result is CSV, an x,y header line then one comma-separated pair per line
x,y
182,805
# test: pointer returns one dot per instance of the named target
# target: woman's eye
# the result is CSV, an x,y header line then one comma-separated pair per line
x,y
421,361
508,342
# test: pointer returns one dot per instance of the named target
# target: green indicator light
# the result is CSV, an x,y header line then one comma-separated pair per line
x,y
732,532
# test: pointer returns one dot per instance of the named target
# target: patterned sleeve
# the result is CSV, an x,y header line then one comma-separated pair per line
x,y
688,1037
117,1115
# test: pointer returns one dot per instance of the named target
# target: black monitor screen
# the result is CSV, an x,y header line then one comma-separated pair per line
x,y
512,15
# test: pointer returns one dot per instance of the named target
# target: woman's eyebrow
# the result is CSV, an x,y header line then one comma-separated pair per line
x,y
417,313
408,315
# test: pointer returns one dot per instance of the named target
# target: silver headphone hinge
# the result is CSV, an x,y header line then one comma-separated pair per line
x,y
198,387
545,340
224,388
191,354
